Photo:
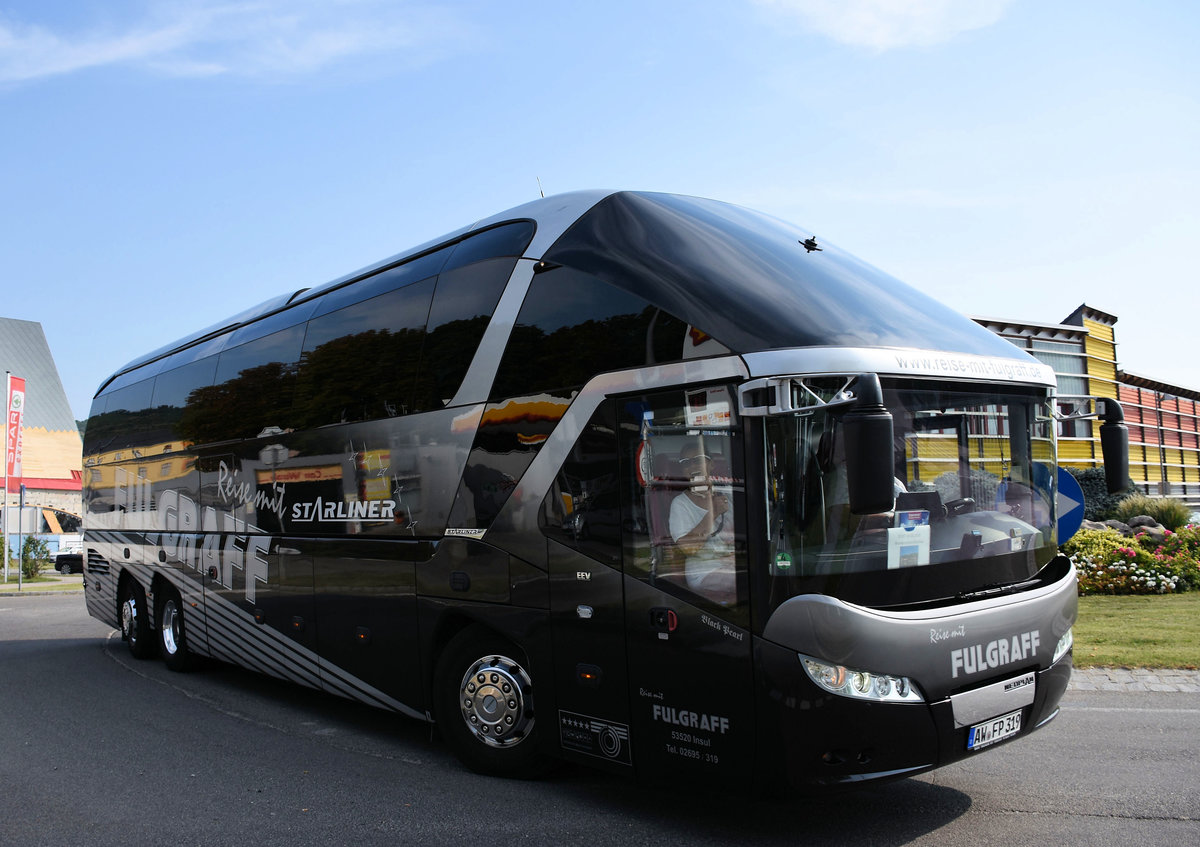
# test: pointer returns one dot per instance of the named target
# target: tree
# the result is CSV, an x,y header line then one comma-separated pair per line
x,y
35,556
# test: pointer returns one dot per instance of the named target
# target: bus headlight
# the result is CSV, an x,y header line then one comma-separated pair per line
x,y
1064,644
860,684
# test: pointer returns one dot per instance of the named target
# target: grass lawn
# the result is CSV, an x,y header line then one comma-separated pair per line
x,y
45,582
1139,631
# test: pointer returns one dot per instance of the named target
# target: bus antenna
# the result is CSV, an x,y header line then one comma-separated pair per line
x,y
540,191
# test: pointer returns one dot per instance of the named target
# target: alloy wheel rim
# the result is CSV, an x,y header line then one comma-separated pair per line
x,y
496,701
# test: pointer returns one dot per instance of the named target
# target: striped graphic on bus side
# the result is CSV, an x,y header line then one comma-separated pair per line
x,y
233,635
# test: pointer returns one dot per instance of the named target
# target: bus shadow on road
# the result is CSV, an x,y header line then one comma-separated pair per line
x,y
890,813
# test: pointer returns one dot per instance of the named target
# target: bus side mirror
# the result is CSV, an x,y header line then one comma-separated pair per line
x,y
867,434
1114,444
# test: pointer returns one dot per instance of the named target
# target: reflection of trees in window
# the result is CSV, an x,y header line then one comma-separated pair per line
x,y
130,428
357,377
241,407
128,420
448,352
462,307
567,357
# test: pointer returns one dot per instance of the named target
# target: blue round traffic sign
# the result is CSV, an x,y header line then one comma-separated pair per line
x,y
1070,505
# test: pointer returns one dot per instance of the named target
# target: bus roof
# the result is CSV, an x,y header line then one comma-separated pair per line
x,y
749,280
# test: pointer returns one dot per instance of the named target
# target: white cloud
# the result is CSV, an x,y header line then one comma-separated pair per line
x,y
266,38
887,24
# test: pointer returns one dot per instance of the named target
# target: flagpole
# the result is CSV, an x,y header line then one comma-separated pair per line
x,y
4,520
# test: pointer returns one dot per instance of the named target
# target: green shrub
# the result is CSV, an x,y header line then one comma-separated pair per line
x,y
35,556
1169,512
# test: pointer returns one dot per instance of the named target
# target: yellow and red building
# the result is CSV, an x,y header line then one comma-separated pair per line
x,y
1163,419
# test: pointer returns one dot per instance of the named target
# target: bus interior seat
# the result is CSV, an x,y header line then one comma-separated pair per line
x,y
666,482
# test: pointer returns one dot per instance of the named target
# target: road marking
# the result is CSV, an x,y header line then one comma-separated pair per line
x,y
1070,708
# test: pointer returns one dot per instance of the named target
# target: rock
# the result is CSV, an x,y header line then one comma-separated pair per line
x,y
1120,527
1143,520
1156,534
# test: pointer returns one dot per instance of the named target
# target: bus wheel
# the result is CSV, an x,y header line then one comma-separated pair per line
x,y
172,637
483,699
135,620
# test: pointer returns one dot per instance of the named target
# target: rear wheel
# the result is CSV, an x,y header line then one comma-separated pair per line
x,y
483,697
135,620
172,635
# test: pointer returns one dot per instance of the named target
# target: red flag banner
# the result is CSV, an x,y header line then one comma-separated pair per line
x,y
16,411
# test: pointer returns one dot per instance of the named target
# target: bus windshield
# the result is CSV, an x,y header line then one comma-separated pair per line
x,y
974,498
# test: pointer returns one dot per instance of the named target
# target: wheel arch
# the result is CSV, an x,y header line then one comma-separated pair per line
x,y
124,578
525,629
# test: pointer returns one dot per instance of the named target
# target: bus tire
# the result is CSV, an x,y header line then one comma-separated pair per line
x,y
483,702
135,620
172,634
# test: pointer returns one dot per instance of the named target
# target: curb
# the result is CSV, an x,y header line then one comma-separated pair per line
x,y
38,592
1166,680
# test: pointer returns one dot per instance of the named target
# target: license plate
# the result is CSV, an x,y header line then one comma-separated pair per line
x,y
997,729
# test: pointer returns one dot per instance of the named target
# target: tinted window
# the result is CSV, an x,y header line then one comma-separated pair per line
x,y
507,240
583,507
253,390
748,280
131,377
573,326
127,419
174,388
359,363
272,324
400,276
280,348
462,307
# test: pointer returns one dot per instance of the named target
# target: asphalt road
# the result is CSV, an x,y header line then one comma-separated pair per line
x,y
97,748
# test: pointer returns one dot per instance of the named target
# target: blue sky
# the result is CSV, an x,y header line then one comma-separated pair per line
x,y
165,164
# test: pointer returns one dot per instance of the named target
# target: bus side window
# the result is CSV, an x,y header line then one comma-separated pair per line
x,y
252,389
463,303
582,508
128,418
173,390
360,360
572,326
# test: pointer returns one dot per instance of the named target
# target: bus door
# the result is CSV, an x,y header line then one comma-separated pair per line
x,y
686,592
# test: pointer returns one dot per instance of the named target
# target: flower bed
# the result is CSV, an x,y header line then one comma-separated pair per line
x,y
1109,563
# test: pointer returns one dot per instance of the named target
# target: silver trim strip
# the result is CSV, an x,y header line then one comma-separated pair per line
x,y
901,361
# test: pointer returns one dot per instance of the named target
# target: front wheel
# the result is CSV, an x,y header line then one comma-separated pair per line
x,y
483,699
172,635
135,620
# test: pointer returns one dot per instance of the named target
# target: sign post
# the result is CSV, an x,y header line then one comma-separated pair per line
x,y
14,407
20,547
4,507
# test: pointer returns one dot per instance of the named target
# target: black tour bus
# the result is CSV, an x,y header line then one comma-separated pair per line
x,y
648,482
